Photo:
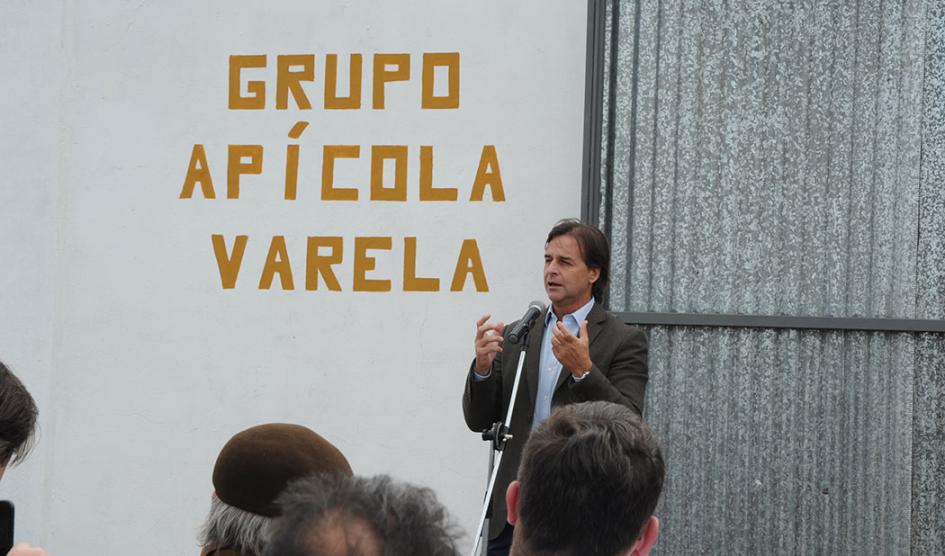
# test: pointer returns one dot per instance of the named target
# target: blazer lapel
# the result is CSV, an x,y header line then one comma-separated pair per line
x,y
595,318
533,358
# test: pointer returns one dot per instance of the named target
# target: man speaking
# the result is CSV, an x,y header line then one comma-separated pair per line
x,y
576,352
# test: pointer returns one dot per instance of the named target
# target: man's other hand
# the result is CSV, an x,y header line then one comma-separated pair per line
x,y
572,351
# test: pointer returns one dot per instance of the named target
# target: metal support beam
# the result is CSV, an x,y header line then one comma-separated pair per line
x,y
593,107
766,321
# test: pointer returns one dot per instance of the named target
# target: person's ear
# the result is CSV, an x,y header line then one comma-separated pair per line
x,y
511,501
595,274
651,530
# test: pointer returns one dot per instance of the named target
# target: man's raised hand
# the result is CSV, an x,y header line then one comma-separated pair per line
x,y
488,344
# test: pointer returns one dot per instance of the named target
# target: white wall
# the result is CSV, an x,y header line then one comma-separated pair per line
x,y
150,365
30,59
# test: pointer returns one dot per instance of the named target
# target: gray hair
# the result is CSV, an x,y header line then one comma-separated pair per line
x,y
373,516
231,527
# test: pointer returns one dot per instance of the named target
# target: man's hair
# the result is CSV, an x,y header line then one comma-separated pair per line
x,y
595,250
230,527
17,418
398,519
590,476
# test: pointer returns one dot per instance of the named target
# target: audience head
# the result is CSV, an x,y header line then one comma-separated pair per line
x,y
253,468
588,483
327,515
17,419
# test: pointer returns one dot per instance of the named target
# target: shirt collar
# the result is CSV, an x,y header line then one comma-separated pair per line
x,y
579,315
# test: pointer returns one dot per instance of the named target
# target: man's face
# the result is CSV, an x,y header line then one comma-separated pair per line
x,y
568,280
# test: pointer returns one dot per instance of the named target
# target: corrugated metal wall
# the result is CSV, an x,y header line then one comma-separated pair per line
x,y
774,156
780,441
785,158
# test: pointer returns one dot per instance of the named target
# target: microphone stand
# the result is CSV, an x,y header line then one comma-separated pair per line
x,y
499,435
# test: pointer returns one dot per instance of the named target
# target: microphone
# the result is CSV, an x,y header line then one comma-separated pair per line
x,y
522,327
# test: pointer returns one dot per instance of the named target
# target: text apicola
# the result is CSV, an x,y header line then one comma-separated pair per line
x,y
323,253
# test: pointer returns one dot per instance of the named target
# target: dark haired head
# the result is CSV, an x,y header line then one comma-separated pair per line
x,y
600,462
17,418
329,515
594,249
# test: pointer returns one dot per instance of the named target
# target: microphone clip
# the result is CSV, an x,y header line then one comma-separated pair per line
x,y
498,435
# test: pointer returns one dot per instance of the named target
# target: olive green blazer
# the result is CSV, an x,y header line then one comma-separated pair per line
x,y
618,352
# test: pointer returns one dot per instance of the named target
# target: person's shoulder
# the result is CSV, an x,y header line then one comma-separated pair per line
x,y
606,316
622,327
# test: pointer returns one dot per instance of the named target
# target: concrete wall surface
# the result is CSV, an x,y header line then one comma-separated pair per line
x,y
128,145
